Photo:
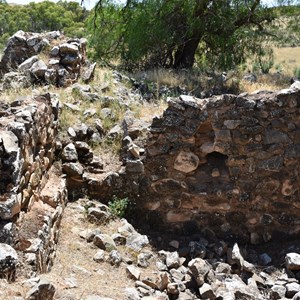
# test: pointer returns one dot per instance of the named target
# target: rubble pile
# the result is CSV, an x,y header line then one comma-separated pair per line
x,y
34,58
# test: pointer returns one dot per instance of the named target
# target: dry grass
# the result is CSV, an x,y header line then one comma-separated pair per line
x,y
161,77
102,75
288,58
147,111
190,79
269,82
69,117
195,81
9,96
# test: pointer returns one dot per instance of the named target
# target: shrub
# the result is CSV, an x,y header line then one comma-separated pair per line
x,y
255,67
279,68
119,206
265,59
297,72
266,66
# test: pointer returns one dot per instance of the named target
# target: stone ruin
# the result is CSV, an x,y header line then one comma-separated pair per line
x,y
230,164
227,164
32,193
22,64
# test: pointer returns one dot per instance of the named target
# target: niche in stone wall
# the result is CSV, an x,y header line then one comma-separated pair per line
x,y
217,163
217,173
213,169
211,178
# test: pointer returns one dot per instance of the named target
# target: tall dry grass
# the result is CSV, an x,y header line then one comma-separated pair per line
x,y
288,58
268,82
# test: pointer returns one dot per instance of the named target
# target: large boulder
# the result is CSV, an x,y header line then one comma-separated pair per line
x,y
27,64
19,48
292,261
15,80
38,70
8,262
88,74
105,242
69,153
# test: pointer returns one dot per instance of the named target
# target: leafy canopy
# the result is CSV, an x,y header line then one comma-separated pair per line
x,y
176,33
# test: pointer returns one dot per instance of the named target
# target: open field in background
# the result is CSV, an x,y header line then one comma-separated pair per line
x,y
287,58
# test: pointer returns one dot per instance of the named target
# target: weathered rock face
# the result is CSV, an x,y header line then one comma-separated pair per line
x,y
32,194
230,163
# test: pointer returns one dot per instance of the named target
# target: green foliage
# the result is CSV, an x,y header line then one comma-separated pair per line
x,y
86,206
297,72
255,67
285,28
119,206
105,30
278,68
68,17
265,59
176,33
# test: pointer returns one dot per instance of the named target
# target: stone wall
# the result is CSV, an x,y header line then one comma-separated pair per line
x,y
230,164
43,58
32,194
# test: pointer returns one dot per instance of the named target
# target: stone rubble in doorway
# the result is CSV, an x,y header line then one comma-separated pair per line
x,y
221,270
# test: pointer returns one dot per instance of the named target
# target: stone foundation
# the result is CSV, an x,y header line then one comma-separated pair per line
x,y
228,163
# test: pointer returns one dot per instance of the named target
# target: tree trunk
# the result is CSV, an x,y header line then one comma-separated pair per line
x,y
185,54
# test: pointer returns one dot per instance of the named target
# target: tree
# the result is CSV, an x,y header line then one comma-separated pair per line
x,y
106,27
286,29
171,33
68,17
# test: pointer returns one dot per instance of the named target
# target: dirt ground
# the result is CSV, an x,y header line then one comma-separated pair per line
x,y
76,275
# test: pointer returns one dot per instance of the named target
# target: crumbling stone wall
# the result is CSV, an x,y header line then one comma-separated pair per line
x,y
32,194
228,163
62,63
27,134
